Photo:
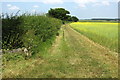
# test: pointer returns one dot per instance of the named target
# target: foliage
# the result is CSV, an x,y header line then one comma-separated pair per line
x,y
69,56
12,30
30,31
62,14
74,18
14,56
59,13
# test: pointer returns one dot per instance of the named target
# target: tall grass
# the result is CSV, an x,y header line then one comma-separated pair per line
x,y
31,31
103,33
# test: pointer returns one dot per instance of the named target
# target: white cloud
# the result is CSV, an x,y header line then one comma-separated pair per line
x,y
8,5
105,3
43,1
96,4
35,6
52,1
33,10
82,3
14,8
56,1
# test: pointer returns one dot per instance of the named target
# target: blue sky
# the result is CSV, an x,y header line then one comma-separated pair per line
x,y
83,9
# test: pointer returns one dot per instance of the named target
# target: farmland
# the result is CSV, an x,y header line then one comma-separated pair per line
x,y
104,33
72,55
59,39
40,46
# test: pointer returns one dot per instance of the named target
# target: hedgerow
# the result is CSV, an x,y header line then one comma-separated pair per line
x,y
29,31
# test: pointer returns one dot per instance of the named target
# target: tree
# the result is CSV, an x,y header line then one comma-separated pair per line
x,y
68,18
59,13
75,19
62,14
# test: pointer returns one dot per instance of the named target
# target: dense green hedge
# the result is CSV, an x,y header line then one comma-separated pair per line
x,y
30,31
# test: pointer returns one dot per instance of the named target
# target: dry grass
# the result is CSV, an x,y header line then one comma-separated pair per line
x,y
72,56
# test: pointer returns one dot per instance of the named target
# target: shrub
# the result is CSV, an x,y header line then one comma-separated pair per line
x,y
30,31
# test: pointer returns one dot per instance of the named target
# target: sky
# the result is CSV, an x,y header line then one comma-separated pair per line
x,y
83,9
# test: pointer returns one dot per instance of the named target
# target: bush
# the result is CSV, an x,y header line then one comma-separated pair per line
x,y
30,31
12,32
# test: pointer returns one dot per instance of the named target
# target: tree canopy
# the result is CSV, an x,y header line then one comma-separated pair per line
x,y
61,13
74,18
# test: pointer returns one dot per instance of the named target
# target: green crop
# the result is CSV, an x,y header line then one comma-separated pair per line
x,y
105,34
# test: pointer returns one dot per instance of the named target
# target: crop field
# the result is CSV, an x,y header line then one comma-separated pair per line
x,y
105,34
